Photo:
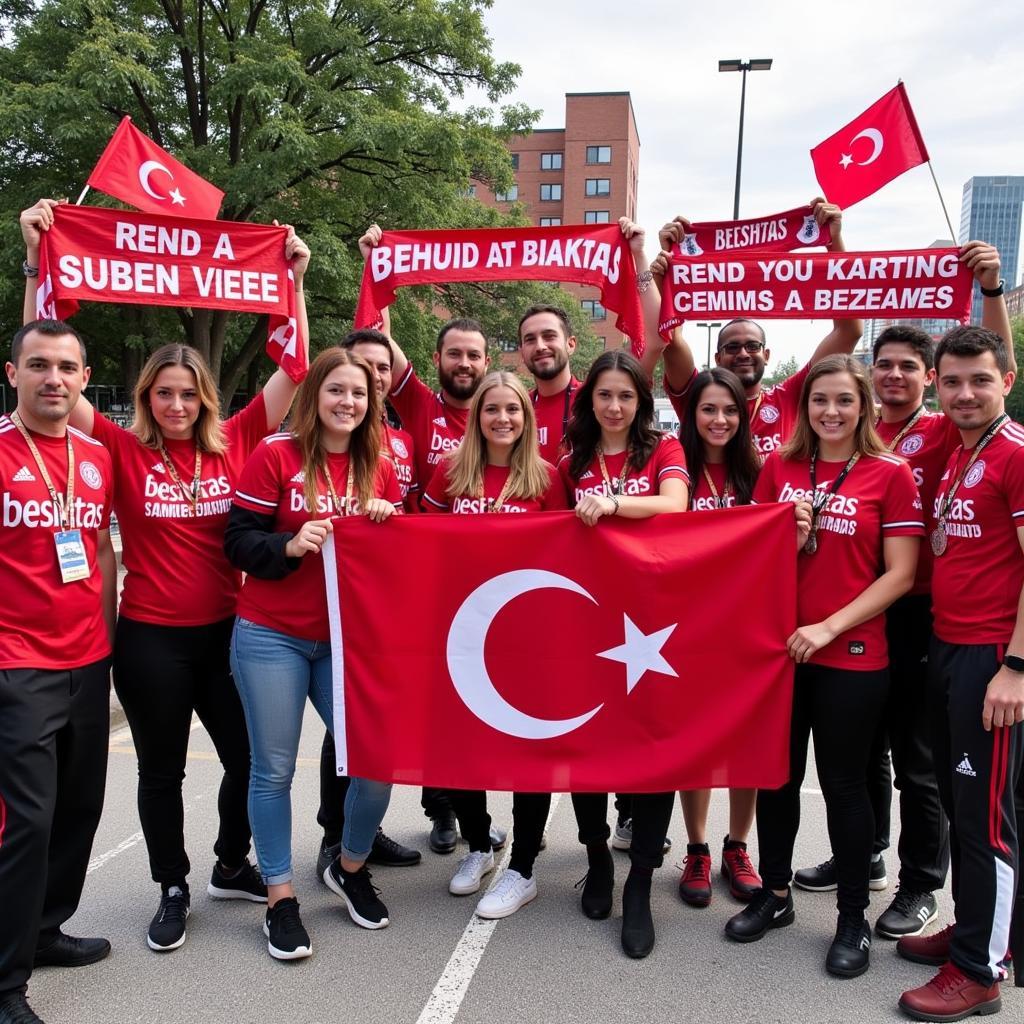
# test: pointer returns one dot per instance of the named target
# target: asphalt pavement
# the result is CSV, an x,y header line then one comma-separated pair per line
x,y
436,963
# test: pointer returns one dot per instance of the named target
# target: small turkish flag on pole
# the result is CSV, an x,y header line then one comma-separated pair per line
x,y
870,151
134,169
533,653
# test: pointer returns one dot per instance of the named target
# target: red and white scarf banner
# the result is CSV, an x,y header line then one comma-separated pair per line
x,y
147,259
552,656
778,232
904,284
596,255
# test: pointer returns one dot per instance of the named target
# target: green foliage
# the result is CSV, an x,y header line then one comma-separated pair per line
x,y
1015,400
328,116
783,370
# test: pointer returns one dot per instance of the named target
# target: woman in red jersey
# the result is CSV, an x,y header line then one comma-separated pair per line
x,y
723,465
175,471
497,469
621,466
290,493
859,556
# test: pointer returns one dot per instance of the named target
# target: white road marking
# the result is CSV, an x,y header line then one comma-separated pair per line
x,y
444,1002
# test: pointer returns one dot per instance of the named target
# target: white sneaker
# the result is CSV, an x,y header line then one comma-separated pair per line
x,y
470,871
622,837
508,894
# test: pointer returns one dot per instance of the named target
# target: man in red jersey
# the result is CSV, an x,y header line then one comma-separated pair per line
x,y
976,675
743,348
56,487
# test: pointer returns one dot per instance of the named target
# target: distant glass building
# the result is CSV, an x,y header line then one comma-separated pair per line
x,y
991,211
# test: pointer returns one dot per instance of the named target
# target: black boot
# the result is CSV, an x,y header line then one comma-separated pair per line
x,y
637,922
596,899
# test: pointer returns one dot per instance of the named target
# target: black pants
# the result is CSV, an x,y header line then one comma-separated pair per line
x,y
906,730
162,674
54,733
842,708
979,776
333,790
651,814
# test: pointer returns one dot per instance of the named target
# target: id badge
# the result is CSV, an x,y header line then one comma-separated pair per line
x,y
71,556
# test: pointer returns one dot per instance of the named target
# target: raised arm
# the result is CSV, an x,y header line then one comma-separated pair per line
x,y
845,334
399,361
677,354
650,296
33,222
983,259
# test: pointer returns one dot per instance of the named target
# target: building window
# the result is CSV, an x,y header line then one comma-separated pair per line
x,y
515,161
599,154
509,196
594,309
470,192
508,345
598,186
551,161
596,217
551,193
550,222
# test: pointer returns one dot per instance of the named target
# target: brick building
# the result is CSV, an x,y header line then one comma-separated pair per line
x,y
584,173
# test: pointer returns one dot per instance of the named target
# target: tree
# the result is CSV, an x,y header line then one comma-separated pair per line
x,y
325,114
1015,399
785,369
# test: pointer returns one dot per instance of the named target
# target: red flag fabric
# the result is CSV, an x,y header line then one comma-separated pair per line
x,y
134,169
545,655
778,232
596,255
870,151
145,259
907,283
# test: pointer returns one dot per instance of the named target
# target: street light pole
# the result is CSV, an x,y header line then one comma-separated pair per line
x,y
763,64
709,327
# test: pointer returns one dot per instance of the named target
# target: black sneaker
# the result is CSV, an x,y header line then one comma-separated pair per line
x,y
14,1009
325,856
822,878
390,854
764,912
443,835
849,954
167,929
359,893
909,914
245,884
286,938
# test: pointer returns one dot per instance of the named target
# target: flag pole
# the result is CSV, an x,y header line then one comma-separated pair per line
x,y
949,223
78,202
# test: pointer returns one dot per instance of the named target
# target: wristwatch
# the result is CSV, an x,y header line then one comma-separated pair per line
x,y
1013,663
993,293
28,270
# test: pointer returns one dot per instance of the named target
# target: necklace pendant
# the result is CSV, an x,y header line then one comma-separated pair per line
x,y
939,539
811,544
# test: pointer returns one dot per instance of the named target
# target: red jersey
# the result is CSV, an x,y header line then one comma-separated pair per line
x,y
926,447
177,573
773,413
436,498
272,483
400,449
666,463
877,499
49,624
436,427
702,497
977,580
553,412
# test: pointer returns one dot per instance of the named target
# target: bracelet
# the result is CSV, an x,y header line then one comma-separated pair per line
x,y
993,293
1013,663
28,270
615,502
643,281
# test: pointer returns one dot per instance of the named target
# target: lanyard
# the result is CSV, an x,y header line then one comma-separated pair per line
x,y
339,508
820,499
497,504
720,502
63,504
191,493
565,408
757,405
993,429
614,486
906,430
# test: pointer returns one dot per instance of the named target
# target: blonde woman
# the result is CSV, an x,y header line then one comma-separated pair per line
x,y
293,489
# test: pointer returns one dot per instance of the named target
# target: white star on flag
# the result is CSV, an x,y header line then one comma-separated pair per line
x,y
177,199
641,653
846,159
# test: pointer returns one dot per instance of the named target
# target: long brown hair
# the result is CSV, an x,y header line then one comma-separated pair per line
x,y
804,441
364,446
207,431
528,477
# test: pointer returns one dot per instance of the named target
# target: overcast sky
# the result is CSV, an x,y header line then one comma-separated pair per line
x,y
962,65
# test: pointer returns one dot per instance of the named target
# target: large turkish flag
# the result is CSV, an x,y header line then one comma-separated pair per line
x,y
533,653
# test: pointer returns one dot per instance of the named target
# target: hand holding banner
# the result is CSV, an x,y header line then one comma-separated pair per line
x,y
778,232
596,255
901,284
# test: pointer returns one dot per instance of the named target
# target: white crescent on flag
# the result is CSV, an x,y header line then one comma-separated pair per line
x,y
145,170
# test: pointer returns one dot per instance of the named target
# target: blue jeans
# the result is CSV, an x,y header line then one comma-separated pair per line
x,y
275,673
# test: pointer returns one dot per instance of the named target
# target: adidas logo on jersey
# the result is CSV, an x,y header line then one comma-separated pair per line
x,y
440,422
23,476
158,468
299,478
964,767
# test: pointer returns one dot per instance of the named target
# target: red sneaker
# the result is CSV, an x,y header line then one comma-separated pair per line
x,y
927,949
695,883
738,871
951,995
